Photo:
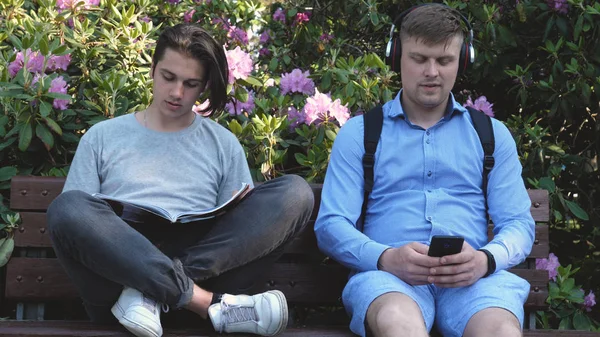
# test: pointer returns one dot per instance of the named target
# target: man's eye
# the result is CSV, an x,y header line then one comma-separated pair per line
x,y
168,78
191,85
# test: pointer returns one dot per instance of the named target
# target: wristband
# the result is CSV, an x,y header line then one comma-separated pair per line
x,y
491,262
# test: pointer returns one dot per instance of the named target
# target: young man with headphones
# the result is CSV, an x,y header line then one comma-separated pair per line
x,y
428,181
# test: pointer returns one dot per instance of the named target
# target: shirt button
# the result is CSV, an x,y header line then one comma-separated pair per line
x,y
428,218
428,133
429,174
427,141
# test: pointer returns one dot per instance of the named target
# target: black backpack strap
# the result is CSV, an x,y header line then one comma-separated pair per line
x,y
373,121
485,131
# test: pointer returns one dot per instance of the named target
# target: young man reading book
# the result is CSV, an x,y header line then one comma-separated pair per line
x,y
127,266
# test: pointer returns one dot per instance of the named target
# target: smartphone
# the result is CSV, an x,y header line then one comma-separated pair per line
x,y
442,245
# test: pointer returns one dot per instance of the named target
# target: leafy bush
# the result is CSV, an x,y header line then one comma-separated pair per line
x,y
300,69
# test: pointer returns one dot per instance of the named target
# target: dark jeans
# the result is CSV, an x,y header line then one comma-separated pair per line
x,y
101,253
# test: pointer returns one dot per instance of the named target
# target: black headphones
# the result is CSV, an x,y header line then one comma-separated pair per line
x,y
393,50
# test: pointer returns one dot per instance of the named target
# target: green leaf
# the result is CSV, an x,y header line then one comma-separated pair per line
x,y
581,322
326,81
53,125
60,50
253,81
330,135
42,132
577,210
241,94
15,42
25,136
287,59
43,44
565,324
273,64
58,95
6,249
374,18
556,148
548,184
45,108
7,172
235,127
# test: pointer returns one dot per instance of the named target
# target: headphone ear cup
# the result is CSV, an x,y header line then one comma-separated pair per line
x,y
396,54
389,52
463,61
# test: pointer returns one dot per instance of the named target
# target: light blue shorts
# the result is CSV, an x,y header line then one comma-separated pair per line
x,y
451,308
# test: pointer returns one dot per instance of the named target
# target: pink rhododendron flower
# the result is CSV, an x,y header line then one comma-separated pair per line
x,y
279,15
58,62
295,117
59,85
326,37
320,108
237,108
482,104
264,52
550,264
302,17
297,81
589,301
71,4
187,17
238,34
559,6
174,2
265,36
146,19
35,62
240,64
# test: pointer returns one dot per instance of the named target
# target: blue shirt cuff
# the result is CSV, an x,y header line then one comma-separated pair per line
x,y
370,255
500,255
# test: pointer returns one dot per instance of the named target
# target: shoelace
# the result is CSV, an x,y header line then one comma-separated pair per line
x,y
235,314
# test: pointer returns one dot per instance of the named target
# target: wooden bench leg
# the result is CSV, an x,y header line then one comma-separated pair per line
x,y
31,311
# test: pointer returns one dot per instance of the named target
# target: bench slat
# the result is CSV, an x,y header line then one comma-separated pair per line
x,y
33,233
36,193
44,279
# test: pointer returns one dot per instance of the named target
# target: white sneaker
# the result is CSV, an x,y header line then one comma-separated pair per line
x,y
263,314
138,314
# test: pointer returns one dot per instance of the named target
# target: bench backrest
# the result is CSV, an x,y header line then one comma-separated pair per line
x,y
304,274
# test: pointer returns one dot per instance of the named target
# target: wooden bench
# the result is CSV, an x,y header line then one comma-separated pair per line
x,y
36,285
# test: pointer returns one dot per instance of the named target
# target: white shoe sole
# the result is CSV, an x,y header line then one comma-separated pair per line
x,y
283,304
133,327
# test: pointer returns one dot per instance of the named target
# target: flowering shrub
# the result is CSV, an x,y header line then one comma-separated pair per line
x,y
568,304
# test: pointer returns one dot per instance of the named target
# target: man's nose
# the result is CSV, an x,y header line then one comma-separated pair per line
x,y
431,69
177,90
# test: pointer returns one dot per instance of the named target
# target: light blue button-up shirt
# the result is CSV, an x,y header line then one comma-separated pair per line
x,y
426,182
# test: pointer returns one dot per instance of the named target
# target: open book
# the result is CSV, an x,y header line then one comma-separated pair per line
x,y
147,213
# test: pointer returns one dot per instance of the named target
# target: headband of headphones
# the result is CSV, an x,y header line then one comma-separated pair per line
x,y
467,55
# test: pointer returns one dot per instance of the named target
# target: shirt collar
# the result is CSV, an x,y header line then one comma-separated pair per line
x,y
452,108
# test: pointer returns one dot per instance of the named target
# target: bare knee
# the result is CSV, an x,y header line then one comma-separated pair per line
x,y
393,314
493,322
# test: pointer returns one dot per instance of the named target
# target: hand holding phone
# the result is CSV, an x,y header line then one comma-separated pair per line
x,y
442,245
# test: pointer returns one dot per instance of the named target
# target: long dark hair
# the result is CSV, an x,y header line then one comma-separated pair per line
x,y
195,42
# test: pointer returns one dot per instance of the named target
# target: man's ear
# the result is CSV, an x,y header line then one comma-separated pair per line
x,y
152,68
